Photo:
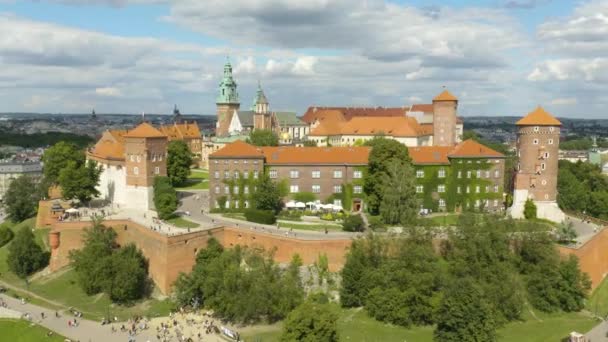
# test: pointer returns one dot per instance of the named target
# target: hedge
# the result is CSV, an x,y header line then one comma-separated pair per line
x,y
6,235
260,216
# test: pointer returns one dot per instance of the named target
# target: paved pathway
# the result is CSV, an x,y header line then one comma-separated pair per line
x,y
86,331
584,231
599,333
193,202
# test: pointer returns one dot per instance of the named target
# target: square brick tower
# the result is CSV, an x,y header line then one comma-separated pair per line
x,y
145,159
536,178
227,101
444,119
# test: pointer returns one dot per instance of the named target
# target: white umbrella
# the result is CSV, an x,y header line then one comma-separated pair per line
x,y
337,208
290,204
310,204
328,206
71,211
300,205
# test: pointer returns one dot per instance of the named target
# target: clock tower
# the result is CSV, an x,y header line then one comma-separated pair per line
x,y
227,101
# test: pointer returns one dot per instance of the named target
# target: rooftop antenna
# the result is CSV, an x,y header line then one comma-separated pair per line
x,y
143,116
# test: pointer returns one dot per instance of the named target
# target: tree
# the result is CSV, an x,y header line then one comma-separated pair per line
x,y
6,235
179,160
57,158
24,255
311,322
263,137
529,209
399,202
310,143
128,276
353,223
267,196
21,199
92,263
79,181
566,232
383,151
100,266
305,197
165,198
463,314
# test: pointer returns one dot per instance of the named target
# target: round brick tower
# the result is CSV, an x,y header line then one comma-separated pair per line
x,y
536,178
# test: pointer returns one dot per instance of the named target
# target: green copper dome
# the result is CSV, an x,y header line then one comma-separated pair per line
x,y
227,91
260,97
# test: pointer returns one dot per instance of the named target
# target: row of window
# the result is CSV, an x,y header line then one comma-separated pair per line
x,y
154,157
235,204
315,174
226,162
477,203
536,141
235,189
441,173
136,170
236,174
441,189
316,189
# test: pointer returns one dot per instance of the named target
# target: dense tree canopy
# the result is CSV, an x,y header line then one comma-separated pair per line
x,y
79,181
311,322
165,198
101,266
529,209
399,202
57,158
579,143
240,285
385,152
263,137
583,188
25,256
43,139
267,195
21,199
487,268
179,160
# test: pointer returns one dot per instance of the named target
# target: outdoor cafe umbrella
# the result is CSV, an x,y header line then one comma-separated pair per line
x,y
300,205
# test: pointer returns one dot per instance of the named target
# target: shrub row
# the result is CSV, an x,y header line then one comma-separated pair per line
x,y
260,216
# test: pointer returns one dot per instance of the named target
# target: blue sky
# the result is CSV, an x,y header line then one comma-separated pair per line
x,y
500,57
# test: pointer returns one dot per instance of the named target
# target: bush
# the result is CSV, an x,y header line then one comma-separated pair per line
x,y
260,216
376,224
327,217
529,209
6,235
353,223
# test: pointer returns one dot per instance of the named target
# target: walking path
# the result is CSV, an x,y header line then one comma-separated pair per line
x,y
599,333
85,331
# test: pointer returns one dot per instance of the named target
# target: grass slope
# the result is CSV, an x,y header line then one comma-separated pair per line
x,y
22,331
61,287
356,325
598,301
181,222
198,180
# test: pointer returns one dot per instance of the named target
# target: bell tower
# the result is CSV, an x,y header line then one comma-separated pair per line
x,y
536,178
261,115
227,101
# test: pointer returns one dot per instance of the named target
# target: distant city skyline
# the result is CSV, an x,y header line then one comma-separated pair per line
x,y
499,57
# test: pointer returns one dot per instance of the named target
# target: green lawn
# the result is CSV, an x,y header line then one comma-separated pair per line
x,y
598,301
22,331
356,325
444,220
314,227
181,222
63,289
198,180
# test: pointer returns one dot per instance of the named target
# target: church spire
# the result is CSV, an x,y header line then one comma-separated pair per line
x,y
227,90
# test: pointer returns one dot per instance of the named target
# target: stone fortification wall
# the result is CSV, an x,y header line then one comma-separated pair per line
x,y
593,257
168,256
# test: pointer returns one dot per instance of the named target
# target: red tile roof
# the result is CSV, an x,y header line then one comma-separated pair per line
x,y
181,131
429,154
144,130
110,146
400,126
445,96
425,108
238,149
354,155
473,149
313,113
538,117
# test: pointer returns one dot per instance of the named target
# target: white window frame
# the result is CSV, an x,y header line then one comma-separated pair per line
x,y
441,188
357,174
419,189
136,170
357,189
316,189
337,189
315,174
273,174
419,173
441,173
294,189
337,174
294,174
216,175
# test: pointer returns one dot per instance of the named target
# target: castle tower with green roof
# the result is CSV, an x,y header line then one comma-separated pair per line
x,y
227,101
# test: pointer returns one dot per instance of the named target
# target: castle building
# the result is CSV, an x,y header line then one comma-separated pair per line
x,y
536,179
11,170
435,124
448,178
130,160
187,132
227,101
